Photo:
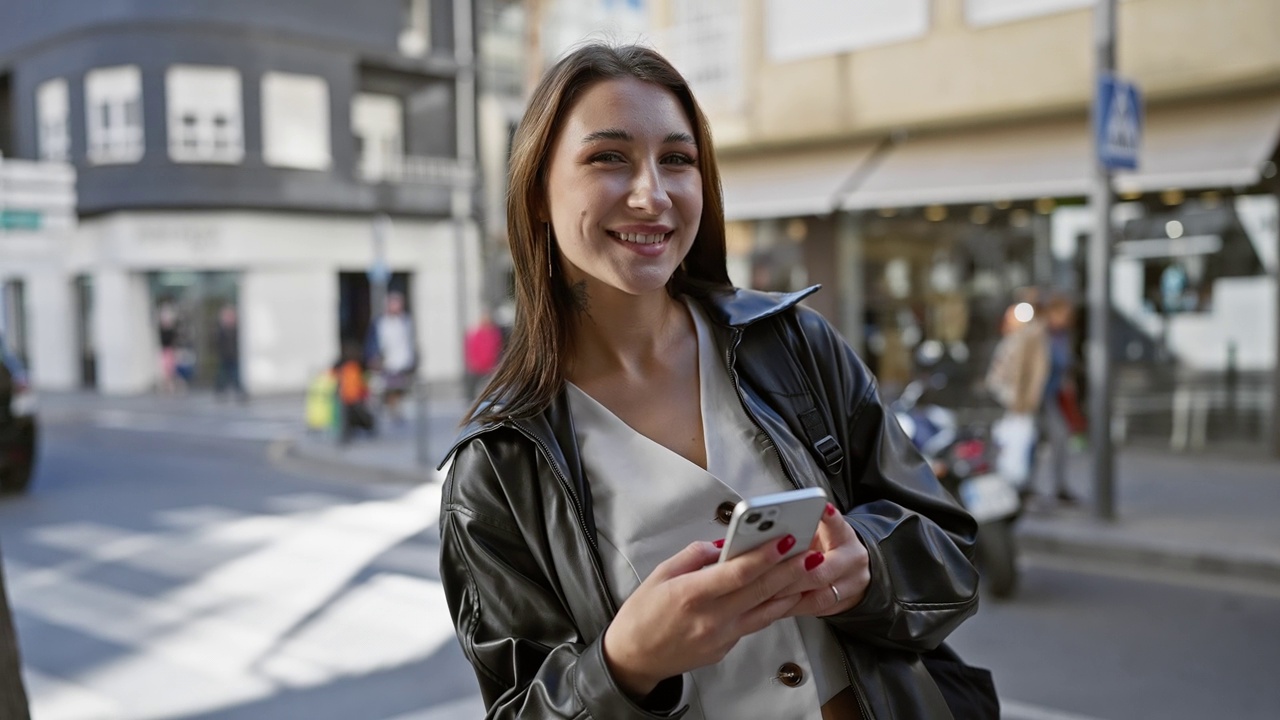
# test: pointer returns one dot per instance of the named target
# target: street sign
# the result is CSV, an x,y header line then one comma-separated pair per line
x,y
1117,122
19,220
379,273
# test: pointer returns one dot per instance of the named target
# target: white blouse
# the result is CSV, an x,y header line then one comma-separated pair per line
x,y
650,502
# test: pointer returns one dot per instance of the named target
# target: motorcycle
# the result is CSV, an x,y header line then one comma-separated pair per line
x,y
964,462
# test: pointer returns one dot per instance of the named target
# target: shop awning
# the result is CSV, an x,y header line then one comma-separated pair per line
x,y
1206,145
1191,145
789,184
1211,144
1004,163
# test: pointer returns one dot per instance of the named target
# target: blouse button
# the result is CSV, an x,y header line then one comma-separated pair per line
x,y
791,674
724,512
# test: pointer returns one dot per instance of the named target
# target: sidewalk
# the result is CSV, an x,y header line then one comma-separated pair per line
x,y
404,451
1207,513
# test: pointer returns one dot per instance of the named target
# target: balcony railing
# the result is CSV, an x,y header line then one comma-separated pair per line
x,y
416,169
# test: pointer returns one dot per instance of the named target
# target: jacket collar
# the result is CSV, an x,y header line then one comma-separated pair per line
x,y
735,308
739,308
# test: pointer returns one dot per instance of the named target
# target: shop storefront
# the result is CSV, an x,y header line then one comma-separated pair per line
x,y
928,239
96,299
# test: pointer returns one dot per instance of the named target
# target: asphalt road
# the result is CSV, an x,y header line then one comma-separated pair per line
x,y
165,567
173,571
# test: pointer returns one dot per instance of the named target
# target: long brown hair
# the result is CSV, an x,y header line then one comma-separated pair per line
x,y
532,369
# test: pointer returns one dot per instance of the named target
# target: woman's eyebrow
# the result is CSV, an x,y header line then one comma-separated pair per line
x,y
623,135
607,134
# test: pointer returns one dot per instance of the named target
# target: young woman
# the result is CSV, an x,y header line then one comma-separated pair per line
x,y
640,398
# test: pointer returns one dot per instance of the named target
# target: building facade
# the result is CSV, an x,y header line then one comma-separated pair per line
x,y
925,159
291,159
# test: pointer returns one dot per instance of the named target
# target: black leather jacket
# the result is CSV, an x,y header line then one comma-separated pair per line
x,y
520,561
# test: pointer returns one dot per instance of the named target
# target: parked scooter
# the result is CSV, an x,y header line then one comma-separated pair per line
x,y
963,460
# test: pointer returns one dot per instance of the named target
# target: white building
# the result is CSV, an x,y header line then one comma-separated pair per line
x,y
291,163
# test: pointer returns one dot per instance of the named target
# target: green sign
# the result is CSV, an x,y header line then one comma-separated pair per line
x,y
19,220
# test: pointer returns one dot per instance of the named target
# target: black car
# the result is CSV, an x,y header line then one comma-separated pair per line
x,y
17,424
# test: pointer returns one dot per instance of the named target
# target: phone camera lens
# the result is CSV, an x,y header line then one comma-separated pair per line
x,y
766,525
753,518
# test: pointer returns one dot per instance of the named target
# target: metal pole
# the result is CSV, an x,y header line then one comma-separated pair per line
x,y
1100,380
1275,370
380,272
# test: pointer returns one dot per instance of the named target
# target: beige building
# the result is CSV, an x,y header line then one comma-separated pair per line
x,y
925,158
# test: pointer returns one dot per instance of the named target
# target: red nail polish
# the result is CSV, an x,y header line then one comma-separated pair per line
x,y
814,561
831,509
786,544
718,543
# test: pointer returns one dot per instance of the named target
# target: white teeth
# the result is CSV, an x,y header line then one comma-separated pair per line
x,y
641,239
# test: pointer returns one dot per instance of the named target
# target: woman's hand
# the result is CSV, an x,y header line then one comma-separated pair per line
x,y
845,567
690,612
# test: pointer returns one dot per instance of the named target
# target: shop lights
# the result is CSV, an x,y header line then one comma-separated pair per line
x,y
1173,229
1172,196
935,213
887,212
1045,205
1020,218
980,215
797,230
1002,204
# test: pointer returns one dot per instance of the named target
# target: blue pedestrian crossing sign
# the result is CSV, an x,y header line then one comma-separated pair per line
x,y
1117,122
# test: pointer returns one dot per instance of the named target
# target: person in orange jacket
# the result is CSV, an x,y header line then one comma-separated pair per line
x,y
353,394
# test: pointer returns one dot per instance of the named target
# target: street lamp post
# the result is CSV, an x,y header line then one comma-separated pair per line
x,y
1100,368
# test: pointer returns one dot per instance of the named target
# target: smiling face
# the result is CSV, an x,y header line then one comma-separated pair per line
x,y
623,187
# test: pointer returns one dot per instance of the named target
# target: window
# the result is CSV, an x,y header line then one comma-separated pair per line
x,y
378,121
204,114
992,12
798,29
113,107
52,109
705,43
295,121
415,38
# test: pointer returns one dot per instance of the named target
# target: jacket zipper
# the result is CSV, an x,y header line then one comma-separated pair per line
x,y
582,519
733,376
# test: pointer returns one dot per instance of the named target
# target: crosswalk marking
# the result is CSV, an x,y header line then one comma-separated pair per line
x,y
281,612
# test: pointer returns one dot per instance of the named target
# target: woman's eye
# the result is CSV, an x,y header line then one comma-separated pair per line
x,y
679,159
609,156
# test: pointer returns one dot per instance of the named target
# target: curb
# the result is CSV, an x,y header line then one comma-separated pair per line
x,y
1081,544
290,454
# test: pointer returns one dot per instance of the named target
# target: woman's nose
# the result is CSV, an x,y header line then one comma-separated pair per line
x,y
648,192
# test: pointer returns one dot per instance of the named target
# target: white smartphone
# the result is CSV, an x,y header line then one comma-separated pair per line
x,y
769,518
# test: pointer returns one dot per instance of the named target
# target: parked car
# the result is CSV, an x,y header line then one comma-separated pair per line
x,y
17,424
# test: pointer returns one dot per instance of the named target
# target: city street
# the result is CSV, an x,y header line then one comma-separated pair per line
x,y
165,566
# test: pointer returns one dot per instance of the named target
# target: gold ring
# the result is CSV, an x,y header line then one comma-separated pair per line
x,y
835,592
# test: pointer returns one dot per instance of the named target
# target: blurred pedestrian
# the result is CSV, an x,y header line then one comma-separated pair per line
x,y
1016,379
393,348
13,696
482,349
169,329
353,394
226,346
1059,392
